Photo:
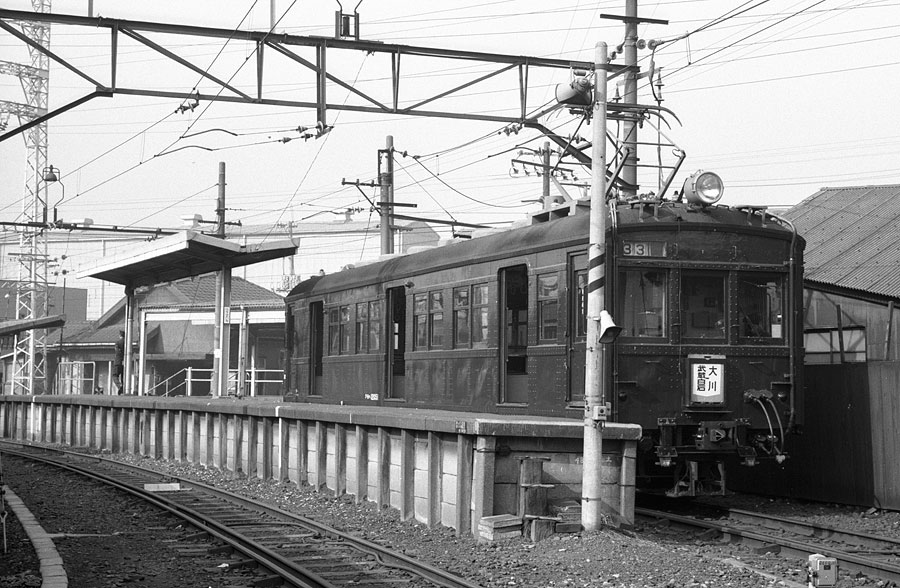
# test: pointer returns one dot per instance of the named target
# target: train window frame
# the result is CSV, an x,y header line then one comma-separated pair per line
x,y
435,319
652,321
480,300
757,330
346,337
362,331
462,317
714,314
420,321
548,290
374,330
334,334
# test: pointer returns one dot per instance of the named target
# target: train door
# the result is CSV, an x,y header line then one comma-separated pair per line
x,y
514,338
577,328
316,346
396,358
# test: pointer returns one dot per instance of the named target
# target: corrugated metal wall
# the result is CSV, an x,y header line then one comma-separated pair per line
x,y
849,452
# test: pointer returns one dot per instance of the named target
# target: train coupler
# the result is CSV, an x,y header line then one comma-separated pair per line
x,y
667,456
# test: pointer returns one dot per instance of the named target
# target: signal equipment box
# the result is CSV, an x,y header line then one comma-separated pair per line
x,y
823,571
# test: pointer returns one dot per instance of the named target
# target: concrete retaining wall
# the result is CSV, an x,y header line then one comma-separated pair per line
x,y
440,468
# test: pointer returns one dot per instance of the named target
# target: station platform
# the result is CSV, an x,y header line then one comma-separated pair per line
x,y
440,467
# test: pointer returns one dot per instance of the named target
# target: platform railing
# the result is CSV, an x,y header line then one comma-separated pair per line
x,y
76,377
188,377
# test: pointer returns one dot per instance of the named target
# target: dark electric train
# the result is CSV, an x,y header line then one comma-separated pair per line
x,y
708,361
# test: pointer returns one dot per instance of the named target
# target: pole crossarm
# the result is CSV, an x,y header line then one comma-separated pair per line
x,y
285,45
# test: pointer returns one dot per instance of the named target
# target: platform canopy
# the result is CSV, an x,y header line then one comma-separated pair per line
x,y
182,255
15,327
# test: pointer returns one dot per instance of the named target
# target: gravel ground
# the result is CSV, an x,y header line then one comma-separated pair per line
x,y
652,556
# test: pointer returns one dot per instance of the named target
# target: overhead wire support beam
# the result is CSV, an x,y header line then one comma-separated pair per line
x,y
283,43
101,93
40,48
178,59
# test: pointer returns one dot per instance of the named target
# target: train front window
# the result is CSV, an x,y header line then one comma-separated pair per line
x,y
643,295
760,305
703,305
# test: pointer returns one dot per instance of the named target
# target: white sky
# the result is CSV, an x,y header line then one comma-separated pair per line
x,y
787,97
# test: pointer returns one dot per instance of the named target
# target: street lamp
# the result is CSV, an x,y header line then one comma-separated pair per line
x,y
51,175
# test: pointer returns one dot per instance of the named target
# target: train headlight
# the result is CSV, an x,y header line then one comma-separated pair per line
x,y
703,188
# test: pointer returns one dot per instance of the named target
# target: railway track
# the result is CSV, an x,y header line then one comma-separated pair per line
x,y
297,550
856,552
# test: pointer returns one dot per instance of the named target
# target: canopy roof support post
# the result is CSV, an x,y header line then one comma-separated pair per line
x,y
222,338
128,369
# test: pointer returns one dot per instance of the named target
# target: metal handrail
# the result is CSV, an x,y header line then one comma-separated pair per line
x,y
252,377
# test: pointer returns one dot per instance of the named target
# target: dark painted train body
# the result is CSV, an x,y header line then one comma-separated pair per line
x,y
708,362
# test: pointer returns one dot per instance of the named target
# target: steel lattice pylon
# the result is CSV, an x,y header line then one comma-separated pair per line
x,y
29,373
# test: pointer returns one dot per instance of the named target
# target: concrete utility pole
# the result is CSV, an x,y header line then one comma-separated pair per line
x,y
222,328
386,181
546,200
630,128
595,412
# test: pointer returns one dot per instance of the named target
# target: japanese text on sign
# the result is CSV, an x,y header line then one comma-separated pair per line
x,y
707,381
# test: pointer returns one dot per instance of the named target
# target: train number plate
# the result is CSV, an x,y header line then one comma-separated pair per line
x,y
643,249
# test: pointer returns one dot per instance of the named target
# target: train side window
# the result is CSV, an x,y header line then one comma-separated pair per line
x,y
298,334
643,296
479,315
374,326
461,334
436,320
703,305
420,318
334,331
548,307
760,305
362,331
346,335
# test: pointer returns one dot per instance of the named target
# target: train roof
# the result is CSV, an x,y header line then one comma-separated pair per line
x,y
561,232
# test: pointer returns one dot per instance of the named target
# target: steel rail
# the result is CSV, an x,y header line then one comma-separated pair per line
x,y
291,573
383,555
850,561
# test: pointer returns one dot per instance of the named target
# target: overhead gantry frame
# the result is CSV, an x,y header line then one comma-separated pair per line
x,y
285,44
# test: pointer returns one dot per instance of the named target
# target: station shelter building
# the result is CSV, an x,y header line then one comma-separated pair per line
x,y
176,320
